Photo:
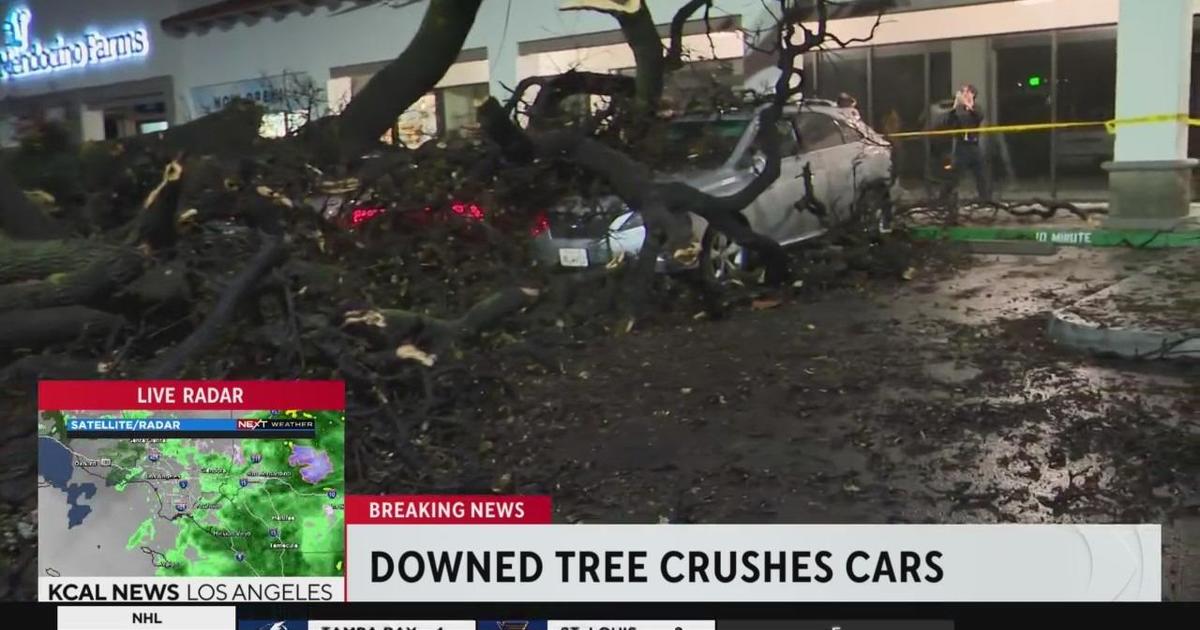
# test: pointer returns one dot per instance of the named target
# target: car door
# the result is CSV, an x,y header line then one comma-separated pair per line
x,y
773,213
823,152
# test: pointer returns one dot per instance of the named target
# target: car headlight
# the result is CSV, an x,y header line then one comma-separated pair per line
x,y
634,221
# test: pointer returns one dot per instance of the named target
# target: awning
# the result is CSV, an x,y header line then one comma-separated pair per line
x,y
226,13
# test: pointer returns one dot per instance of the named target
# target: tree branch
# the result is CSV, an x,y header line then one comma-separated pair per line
x,y
674,58
268,257
408,77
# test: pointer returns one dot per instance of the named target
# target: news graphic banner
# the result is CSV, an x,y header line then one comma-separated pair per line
x,y
191,491
434,549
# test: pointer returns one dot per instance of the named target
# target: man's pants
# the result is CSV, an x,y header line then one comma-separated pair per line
x,y
969,157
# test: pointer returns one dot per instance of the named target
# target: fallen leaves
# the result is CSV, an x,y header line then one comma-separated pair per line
x,y
410,352
688,255
187,216
763,304
40,197
370,318
266,191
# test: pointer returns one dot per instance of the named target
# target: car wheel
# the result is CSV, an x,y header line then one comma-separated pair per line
x,y
722,260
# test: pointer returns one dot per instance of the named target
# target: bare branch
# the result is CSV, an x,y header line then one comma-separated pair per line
x,y
674,57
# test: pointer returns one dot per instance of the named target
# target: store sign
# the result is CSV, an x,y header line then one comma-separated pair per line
x,y
24,55
271,93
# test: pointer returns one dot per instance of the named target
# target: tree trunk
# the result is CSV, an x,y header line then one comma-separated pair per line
x,y
642,36
42,274
35,328
408,77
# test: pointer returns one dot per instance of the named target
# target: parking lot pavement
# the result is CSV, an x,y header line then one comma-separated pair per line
x,y
942,399
1154,313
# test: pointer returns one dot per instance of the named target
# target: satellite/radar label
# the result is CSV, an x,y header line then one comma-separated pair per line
x,y
214,492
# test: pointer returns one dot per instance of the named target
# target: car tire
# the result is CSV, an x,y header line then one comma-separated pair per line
x,y
721,260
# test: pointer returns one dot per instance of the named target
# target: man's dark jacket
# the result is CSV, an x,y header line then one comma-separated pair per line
x,y
962,118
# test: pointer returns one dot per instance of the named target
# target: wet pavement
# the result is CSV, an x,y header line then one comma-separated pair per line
x,y
939,399
936,400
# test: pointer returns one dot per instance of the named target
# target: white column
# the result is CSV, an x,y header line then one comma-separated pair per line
x,y
1154,55
1149,179
339,92
91,124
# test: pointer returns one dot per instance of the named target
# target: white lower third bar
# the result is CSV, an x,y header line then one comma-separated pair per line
x,y
158,617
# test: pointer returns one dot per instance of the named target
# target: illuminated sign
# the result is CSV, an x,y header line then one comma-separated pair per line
x,y
23,55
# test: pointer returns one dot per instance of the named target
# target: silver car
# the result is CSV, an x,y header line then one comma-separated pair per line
x,y
850,165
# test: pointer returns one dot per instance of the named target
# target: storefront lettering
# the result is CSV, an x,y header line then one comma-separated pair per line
x,y
268,96
273,93
23,55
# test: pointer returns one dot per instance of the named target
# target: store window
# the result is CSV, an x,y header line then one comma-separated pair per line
x,y
898,103
458,106
1021,161
843,72
442,113
1086,91
417,125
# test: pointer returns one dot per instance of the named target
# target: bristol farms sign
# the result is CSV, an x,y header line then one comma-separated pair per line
x,y
23,55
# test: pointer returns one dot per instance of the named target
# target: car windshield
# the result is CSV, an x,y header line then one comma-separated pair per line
x,y
700,144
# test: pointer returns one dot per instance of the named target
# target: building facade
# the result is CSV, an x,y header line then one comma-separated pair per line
x,y
121,67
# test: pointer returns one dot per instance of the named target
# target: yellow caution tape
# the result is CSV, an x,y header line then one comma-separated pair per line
x,y
1109,125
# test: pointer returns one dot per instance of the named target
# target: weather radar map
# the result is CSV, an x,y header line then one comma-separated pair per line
x,y
190,493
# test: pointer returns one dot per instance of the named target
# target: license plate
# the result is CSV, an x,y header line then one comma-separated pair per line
x,y
573,257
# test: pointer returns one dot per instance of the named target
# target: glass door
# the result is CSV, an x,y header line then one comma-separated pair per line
x,y
1020,161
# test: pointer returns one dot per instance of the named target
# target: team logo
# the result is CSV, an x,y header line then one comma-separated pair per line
x,y
537,624
287,624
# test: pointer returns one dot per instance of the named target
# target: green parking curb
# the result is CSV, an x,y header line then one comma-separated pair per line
x,y
1077,238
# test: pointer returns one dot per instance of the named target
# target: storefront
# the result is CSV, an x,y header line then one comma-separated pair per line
x,y
73,76
1045,62
449,110
124,67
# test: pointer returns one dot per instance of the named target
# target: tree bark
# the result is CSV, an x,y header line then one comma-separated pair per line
x,y
642,36
19,217
42,274
36,328
408,77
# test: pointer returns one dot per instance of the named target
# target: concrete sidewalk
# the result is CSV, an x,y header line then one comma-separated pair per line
x,y
1154,314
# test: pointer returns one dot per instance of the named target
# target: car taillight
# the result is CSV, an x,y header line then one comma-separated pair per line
x,y
361,215
540,225
469,210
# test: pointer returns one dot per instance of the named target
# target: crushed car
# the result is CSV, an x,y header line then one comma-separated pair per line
x,y
833,168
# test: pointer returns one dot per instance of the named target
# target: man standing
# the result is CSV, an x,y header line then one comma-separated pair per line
x,y
968,156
